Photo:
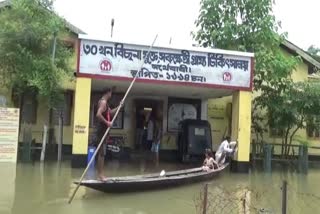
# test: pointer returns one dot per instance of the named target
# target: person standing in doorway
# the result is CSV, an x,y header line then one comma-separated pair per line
x,y
157,138
140,122
150,129
104,114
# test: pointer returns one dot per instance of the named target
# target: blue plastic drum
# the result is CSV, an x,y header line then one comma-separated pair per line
x,y
91,150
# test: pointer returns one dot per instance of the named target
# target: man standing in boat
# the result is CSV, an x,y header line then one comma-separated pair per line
x,y
104,114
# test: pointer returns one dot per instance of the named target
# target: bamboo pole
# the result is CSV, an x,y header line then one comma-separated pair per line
x,y
113,119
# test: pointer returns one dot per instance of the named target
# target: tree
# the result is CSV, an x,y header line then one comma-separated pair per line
x,y
246,25
314,52
291,110
27,34
249,25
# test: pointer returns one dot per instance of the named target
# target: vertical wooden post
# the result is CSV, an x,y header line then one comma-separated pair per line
x,y
254,151
44,142
284,197
27,139
305,158
267,157
60,139
205,199
246,202
300,158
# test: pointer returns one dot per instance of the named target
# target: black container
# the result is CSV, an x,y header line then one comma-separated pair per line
x,y
194,136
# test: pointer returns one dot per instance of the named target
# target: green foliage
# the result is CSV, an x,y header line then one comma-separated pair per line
x,y
291,109
249,25
246,25
314,52
236,24
301,140
27,32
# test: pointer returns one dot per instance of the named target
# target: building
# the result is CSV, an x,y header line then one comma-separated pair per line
x,y
307,70
32,113
177,82
226,104
181,91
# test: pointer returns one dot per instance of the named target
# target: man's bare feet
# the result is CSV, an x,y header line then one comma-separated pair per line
x,y
102,178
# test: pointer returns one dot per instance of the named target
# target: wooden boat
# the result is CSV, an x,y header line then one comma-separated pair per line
x,y
152,181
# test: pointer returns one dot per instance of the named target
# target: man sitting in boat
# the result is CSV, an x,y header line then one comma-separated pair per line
x,y
209,163
226,148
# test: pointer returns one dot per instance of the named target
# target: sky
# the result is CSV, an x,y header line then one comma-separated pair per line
x,y
140,20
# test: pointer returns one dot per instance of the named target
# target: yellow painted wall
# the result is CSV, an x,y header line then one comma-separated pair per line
x,y
218,117
42,119
37,129
42,111
81,116
69,83
241,123
300,74
217,106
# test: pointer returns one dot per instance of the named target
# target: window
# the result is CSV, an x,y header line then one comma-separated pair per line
x,y
312,69
274,132
114,102
29,107
276,128
313,127
66,108
180,109
199,132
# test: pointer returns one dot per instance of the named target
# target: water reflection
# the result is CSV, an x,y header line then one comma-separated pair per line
x,y
7,186
45,188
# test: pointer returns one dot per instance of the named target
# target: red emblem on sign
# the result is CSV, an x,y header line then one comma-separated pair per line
x,y
105,65
227,77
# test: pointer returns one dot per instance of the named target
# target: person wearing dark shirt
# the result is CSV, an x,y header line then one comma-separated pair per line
x,y
140,122
103,115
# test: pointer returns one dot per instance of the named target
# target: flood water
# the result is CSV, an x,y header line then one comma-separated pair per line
x,y
45,188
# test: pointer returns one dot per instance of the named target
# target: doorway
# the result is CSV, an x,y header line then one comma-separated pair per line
x,y
144,109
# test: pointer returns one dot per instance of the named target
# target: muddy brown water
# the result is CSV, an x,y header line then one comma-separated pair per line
x,y
45,188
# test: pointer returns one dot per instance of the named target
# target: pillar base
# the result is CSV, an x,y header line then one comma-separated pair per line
x,y
239,166
78,161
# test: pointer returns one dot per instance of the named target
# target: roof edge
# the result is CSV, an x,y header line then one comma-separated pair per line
x,y
301,53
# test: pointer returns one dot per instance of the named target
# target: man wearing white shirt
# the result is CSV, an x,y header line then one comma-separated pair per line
x,y
225,148
150,129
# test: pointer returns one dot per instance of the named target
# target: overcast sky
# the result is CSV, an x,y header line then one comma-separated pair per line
x,y
141,20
